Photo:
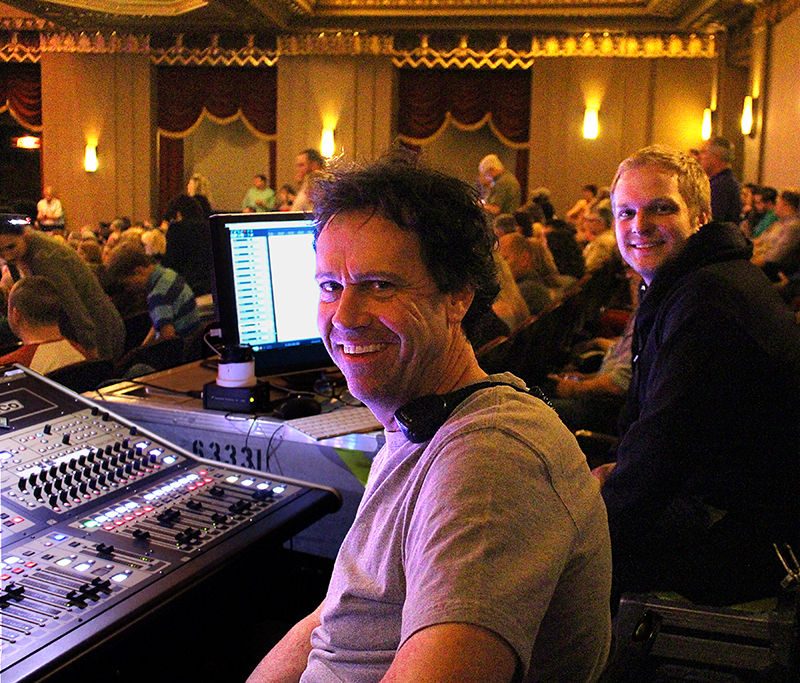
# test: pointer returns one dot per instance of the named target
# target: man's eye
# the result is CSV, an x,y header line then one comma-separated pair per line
x,y
624,214
328,291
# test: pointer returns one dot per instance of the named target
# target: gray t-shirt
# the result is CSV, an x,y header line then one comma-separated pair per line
x,y
495,522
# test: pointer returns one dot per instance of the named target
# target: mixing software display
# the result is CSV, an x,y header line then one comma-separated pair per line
x,y
101,521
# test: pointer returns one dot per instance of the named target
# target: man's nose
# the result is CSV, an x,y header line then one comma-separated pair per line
x,y
352,310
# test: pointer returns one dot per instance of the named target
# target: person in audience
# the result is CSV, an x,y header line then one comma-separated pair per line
x,y
597,226
505,194
541,196
567,253
170,301
155,243
517,252
706,473
309,167
531,220
260,197
588,195
480,550
199,188
91,253
89,316
34,312
778,249
764,199
593,401
49,211
188,249
286,197
716,157
750,215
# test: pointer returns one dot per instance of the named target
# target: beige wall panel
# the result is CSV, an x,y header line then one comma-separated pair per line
x,y
781,163
352,94
107,98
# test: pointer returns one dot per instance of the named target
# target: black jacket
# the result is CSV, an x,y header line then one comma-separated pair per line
x,y
707,467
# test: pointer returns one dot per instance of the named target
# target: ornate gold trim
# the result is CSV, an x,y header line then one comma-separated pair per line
x,y
355,43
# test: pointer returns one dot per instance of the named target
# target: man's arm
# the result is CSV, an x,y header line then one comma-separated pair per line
x,y
286,661
453,653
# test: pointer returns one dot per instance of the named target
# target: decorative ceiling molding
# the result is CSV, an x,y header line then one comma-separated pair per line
x,y
137,8
423,55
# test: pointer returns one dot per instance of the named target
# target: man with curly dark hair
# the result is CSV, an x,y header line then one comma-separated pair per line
x,y
480,550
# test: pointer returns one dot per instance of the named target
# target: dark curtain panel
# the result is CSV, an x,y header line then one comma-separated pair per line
x,y
427,95
184,91
21,92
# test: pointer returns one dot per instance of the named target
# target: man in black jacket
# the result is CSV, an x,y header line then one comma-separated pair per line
x,y
707,469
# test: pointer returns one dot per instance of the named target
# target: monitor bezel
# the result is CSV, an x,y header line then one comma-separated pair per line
x,y
269,362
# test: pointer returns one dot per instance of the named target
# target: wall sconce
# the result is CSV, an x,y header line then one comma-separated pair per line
x,y
747,116
90,158
326,145
706,128
590,123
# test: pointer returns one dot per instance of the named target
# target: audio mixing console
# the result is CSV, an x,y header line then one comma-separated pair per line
x,y
102,521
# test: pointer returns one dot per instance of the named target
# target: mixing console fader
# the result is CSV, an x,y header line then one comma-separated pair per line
x,y
101,521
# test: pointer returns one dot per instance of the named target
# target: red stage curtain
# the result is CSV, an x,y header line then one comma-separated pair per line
x,y
184,92
427,96
21,92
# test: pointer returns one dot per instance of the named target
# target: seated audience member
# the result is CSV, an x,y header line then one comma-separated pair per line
x,y
155,243
594,401
566,251
34,312
309,167
504,224
517,252
541,196
764,199
91,253
286,197
188,250
778,248
706,477
530,219
455,569
601,243
750,215
260,197
588,195
170,300
505,194
89,317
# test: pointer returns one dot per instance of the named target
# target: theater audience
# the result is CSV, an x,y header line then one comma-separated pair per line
x,y
170,300
309,167
778,248
575,213
260,197
89,316
706,476
34,311
764,199
567,253
596,227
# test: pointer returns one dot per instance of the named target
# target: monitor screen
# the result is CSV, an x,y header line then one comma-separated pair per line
x,y
265,292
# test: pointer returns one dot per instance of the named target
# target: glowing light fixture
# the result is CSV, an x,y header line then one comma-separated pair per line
x,y
90,158
27,142
590,123
706,129
326,145
747,116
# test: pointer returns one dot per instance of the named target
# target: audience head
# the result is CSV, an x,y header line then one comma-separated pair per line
x,y
715,155
661,197
308,161
504,223
693,183
524,222
517,253
130,265
456,243
764,198
13,237
34,301
198,184
490,166
788,203
154,242
91,252
589,192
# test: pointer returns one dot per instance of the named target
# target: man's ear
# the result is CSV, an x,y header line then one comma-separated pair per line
x,y
458,304
702,219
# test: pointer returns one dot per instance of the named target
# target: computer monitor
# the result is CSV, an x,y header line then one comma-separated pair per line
x,y
265,292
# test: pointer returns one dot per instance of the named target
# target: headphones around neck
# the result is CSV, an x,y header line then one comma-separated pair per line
x,y
420,419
